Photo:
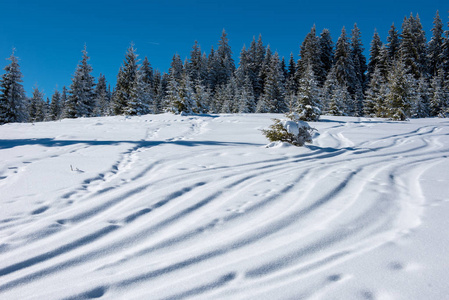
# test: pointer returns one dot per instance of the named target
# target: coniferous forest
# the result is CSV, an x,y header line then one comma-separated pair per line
x,y
406,77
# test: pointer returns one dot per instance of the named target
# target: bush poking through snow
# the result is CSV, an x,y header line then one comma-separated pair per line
x,y
291,130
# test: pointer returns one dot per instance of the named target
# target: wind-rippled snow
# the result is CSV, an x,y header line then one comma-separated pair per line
x,y
196,207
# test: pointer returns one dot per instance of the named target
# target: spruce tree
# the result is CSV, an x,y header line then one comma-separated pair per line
x,y
393,44
180,96
64,103
245,99
421,99
125,82
310,53
102,97
257,53
413,48
400,95
345,73
374,105
82,89
272,99
438,96
375,51
326,53
202,97
55,106
308,107
140,99
360,68
435,46
225,60
13,106
36,106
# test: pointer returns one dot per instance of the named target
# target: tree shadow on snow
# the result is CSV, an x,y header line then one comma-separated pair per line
x,y
50,142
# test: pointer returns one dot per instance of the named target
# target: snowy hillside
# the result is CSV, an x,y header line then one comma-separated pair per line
x,y
180,207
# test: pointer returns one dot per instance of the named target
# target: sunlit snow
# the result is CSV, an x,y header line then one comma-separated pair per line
x,y
180,207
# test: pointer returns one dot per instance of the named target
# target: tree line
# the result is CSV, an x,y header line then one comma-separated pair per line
x,y
406,77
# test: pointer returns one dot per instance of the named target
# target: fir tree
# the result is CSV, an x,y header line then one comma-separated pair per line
x,y
12,94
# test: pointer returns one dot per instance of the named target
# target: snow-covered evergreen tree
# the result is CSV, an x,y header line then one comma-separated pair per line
x,y
82,95
202,97
291,130
64,103
245,100
401,92
345,73
308,107
326,54
225,60
273,98
257,53
125,82
13,106
413,48
375,52
180,96
196,67
374,105
360,68
310,53
140,99
102,97
439,95
55,106
435,46
393,44
421,99
37,106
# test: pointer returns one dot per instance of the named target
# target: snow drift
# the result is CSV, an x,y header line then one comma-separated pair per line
x,y
176,207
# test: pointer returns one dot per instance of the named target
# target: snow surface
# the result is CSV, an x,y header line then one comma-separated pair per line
x,y
176,207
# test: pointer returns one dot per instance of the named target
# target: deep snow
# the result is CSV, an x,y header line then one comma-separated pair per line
x,y
175,207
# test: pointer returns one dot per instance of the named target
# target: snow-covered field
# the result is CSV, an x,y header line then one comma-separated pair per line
x,y
175,207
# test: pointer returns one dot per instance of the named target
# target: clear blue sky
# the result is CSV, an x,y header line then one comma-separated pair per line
x,y
49,35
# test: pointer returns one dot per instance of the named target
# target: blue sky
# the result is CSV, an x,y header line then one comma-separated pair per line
x,y
49,35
